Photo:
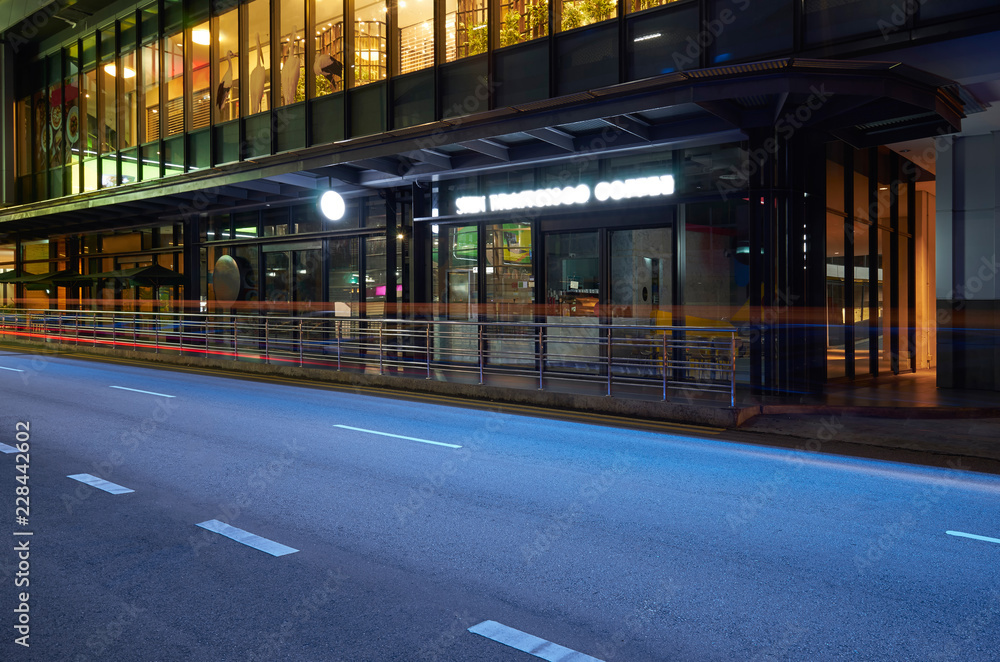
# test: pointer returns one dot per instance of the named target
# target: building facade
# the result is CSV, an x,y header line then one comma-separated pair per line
x,y
820,176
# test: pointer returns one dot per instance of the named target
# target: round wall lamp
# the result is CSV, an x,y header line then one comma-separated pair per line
x,y
332,205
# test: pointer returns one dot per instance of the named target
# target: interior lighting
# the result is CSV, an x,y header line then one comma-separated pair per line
x,y
110,70
201,37
332,205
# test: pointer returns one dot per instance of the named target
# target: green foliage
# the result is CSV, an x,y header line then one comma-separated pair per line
x,y
477,38
510,29
537,16
572,16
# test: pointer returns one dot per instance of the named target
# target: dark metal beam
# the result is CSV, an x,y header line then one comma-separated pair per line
x,y
630,124
560,139
489,148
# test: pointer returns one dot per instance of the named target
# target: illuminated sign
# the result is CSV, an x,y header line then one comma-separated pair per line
x,y
639,187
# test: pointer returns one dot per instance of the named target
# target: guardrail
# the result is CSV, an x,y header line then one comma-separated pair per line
x,y
619,358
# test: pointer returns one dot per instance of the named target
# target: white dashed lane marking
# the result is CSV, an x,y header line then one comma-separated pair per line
x,y
398,436
135,390
247,538
529,643
100,484
972,535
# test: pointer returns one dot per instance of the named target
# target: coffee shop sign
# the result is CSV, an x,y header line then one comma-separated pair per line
x,y
639,187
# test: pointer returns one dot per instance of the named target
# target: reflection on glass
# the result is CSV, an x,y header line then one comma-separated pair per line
x,y
415,34
455,286
292,43
328,47
129,107
510,279
226,47
641,267
150,92
369,42
523,20
466,31
571,271
173,80
258,55
201,84
343,276
90,125
641,5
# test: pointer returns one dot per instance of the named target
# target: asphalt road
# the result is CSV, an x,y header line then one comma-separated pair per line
x,y
621,544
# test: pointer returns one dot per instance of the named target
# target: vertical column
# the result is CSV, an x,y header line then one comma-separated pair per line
x,y
8,181
967,292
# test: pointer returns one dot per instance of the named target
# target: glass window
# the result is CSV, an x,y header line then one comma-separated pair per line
x,y
466,31
275,222
571,14
105,115
571,270
129,108
291,38
714,289
369,42
328,47
23,136
374,213
523,20
376,278
862,297
415,45
642,5
276,278
641,267
71,118
90,126
150,103
173,81
227,59
343,276
201,83
258,56
42,135
454,271
510,279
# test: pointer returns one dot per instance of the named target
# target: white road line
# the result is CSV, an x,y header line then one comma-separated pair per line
x,y
162,395
529,643
4,448
100,484
398,436
972,535
247,538
11,369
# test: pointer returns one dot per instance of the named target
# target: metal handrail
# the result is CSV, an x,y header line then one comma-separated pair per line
x,y
621,358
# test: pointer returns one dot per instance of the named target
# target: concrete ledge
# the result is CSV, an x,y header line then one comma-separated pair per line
x,y
653,410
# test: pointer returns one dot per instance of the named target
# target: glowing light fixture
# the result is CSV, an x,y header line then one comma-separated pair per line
x,y
110,70
201,37
332,205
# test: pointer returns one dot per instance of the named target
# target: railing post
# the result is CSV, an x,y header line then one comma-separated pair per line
x,y
664,366
236,342
135,322
732,370
541,359
380,327
114,331
428,343
267,358
77,331
609,360
301,342
339,325
156,334
206,335
479,325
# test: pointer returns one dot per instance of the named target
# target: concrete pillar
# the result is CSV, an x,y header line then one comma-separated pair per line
x,y
968,295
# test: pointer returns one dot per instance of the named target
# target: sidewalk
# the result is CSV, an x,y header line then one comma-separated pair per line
x,y
905,413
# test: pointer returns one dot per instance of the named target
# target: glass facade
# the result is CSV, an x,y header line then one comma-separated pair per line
x,y
132,90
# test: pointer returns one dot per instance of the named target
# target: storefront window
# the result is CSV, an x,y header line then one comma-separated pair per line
x,y
227,61
293,60
91,127
715,288
523,20
258,56
328,47
642,5
572,278
201,84
343,276
376,278
641,276
466,28
71,122
416,34
370,42
510,279
454,272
